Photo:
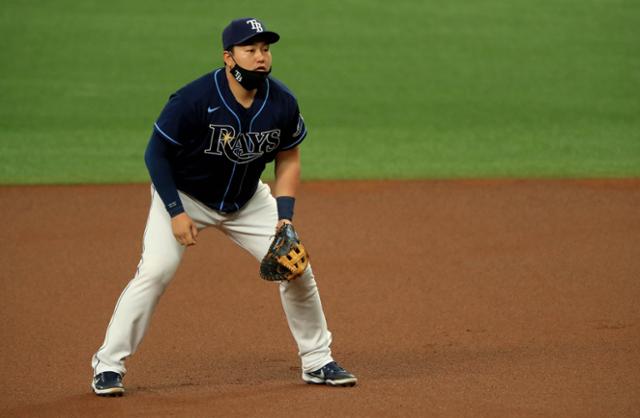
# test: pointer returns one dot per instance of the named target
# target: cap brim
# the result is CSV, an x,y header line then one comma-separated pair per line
x,y
268,36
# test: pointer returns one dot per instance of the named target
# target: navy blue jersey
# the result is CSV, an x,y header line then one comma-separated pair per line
x,y
219,149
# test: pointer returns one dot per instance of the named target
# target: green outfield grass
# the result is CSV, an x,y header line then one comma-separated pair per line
x,y
405,89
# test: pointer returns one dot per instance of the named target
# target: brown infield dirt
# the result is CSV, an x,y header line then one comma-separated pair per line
x,y
497,298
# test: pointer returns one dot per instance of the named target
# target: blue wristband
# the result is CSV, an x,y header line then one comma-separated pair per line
x,y
285,207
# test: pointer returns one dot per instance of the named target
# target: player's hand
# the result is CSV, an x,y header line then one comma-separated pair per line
x,y
184,229
282,222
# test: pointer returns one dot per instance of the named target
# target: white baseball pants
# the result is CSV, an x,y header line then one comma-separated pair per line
x,y
252,228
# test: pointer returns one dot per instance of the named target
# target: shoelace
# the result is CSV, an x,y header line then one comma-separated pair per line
x,y
334,367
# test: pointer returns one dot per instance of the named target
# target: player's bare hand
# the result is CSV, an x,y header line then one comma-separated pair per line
x,y
282,222
184,229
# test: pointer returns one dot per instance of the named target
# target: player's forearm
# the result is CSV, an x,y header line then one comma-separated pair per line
x,y
287,181
287,171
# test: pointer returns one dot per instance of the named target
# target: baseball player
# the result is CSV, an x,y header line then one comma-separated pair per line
x,y
205,156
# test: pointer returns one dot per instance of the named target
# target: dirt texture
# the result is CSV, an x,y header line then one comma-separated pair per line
x,y
446,298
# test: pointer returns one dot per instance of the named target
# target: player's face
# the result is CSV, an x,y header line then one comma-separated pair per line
x,y
254,57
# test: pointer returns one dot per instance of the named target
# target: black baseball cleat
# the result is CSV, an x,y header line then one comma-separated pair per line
x,y
330,374
108,384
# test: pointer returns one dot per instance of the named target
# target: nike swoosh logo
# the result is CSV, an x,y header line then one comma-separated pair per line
x,y
212,109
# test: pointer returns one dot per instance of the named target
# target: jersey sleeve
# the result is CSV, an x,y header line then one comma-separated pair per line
x,y
176,121
157,158
295,131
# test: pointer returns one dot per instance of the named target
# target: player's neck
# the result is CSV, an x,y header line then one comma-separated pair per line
x,y
242,96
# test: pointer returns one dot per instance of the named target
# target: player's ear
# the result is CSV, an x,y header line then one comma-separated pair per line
x,y
226,57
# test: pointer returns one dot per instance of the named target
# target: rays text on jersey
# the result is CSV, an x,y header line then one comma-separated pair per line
x,y
243,147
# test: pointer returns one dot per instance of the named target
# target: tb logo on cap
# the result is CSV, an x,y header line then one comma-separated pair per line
x,y
255,25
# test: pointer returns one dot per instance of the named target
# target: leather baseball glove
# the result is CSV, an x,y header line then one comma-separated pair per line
x,y
286,259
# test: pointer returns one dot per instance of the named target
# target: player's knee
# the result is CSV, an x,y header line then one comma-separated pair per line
x,y
307,276
157,271
308,273
306,283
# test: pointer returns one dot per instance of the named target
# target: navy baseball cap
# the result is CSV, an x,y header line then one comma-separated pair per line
x,y
241,31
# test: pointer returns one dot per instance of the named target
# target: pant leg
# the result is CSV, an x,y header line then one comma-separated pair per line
x,y
253,229
303,308
161,255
